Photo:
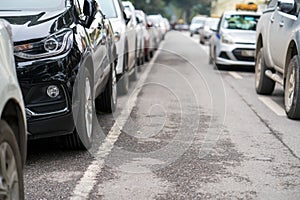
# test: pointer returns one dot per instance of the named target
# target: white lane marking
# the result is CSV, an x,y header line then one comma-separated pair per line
x,y
235,75
89,178
277,109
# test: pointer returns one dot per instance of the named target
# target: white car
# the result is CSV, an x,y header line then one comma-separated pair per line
x,y
123,26
206,32
233,44
196,24
13,132
137,25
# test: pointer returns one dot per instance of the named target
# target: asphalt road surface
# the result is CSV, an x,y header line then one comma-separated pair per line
x,y
184,131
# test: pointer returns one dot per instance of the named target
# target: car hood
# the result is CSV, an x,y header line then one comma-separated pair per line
x,y
32,25
241,36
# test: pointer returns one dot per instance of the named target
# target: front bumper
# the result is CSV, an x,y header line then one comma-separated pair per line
x,y
48,116
235,54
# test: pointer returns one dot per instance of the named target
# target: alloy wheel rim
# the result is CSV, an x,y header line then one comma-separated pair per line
x,y
290,90
88,108
9,187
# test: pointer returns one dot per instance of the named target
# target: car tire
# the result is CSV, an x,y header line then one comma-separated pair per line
x,y
191,34
123,80
134,75
292,89
210,58
83,113
107,101
11,177
263,84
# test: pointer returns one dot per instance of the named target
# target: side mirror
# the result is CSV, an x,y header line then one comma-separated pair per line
x,y
149,25
89,11
213,29
127,16
286,6
138,21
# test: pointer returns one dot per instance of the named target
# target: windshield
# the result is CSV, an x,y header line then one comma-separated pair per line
x,y
241,22
108,8
198,21
8,5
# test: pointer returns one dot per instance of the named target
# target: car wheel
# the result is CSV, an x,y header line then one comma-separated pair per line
x,y
11,172
134,75
263,84
191,34
210,59
83,114
107,101
292,89
123,81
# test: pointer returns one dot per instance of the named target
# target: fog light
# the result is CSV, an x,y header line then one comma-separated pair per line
x,y
52,91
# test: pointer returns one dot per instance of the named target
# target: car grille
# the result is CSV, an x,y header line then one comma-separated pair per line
x,y
238,55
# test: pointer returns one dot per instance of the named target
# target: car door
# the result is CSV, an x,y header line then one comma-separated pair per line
x,y
275,38
97,35
286,23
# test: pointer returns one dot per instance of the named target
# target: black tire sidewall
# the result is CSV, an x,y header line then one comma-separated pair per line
x,y
294,111
265,85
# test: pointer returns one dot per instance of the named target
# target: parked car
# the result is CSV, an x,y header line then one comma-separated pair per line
x,y
234,41
148,33
155,30
64,52
157,21
277,53
196,23
137,26
210,26
126,46
13,133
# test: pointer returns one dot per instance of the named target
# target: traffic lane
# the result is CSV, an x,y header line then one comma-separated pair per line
x,y
270,109
245,161
169,125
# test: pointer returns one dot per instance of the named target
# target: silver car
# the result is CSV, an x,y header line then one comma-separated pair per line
x,y
277,53
234,40
210,25
13,132
196,23
124,27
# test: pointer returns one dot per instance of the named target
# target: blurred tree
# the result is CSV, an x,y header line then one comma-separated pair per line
x,y
186,8
150,6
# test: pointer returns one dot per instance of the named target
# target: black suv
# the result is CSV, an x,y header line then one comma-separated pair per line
x,y
65,59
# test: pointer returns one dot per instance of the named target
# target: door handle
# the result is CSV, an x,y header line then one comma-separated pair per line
x,y
272,19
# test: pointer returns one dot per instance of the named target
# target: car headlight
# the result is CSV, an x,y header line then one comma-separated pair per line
x,y
226,39
55,44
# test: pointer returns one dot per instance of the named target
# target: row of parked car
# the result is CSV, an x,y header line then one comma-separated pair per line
x,y
269,41
61,60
